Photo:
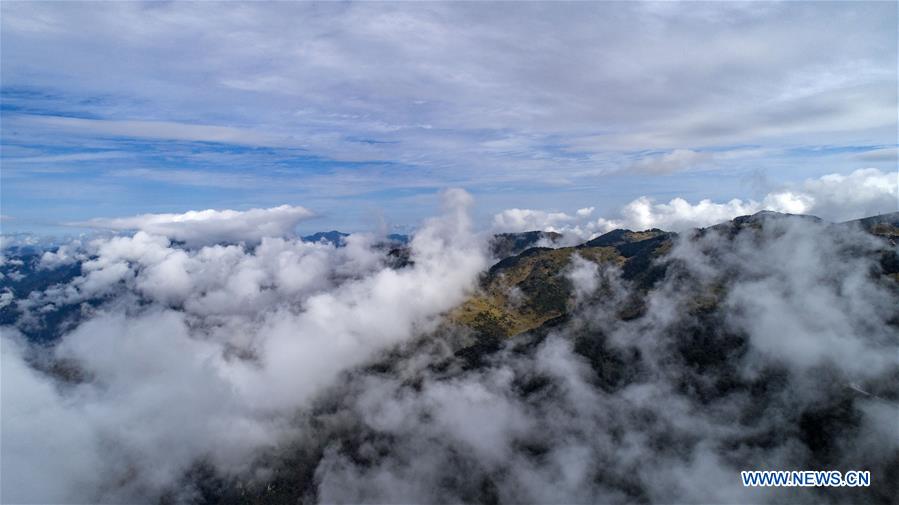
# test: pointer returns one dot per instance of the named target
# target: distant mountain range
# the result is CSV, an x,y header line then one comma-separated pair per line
x,y
338,238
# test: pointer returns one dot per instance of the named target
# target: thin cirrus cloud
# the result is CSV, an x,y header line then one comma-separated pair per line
x,y
168,130
470,95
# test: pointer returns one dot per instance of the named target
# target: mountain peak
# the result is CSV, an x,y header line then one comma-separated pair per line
x,y
332,237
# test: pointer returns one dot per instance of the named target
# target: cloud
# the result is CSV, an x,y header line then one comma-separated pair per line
x,y
200,178
859,194
247,358
205,352
66,254
8,240
670,406
212,226
51,159
584,276
168,130
585,212
673,161
834,197
890,154
777,78
841,311
37,429
515,220
678,214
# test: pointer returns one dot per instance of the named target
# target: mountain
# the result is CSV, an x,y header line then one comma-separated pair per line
x,y
338,238
398,238
884,225
599,372
729,347
525,290
332,237
503,245
20,275
522,292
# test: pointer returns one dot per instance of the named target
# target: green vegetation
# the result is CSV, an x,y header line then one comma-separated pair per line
x,y
522,292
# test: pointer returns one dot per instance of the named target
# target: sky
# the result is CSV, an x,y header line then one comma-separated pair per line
x,y
361,113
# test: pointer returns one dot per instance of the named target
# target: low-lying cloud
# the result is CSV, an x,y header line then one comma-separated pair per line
x,y
766,348
204,353
211,226
833,197
756,352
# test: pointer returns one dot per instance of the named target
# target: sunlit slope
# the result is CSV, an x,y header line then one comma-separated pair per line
x,y
524,291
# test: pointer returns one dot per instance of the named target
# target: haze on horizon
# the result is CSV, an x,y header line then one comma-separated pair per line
x,y
550,114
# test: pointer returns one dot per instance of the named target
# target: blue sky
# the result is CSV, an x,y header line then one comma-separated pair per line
x,y
362,112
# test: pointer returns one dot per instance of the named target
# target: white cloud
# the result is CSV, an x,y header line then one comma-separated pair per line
x,y
549,425
38,429
833,197
676,215
859,194
212,226
207,351
807,282
515,220
584,276
218,352
65,254
797,78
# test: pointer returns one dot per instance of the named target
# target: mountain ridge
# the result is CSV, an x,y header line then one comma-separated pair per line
x,y
535,270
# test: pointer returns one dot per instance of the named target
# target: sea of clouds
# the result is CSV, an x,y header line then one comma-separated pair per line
x,y
795,369
206,351
220,337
